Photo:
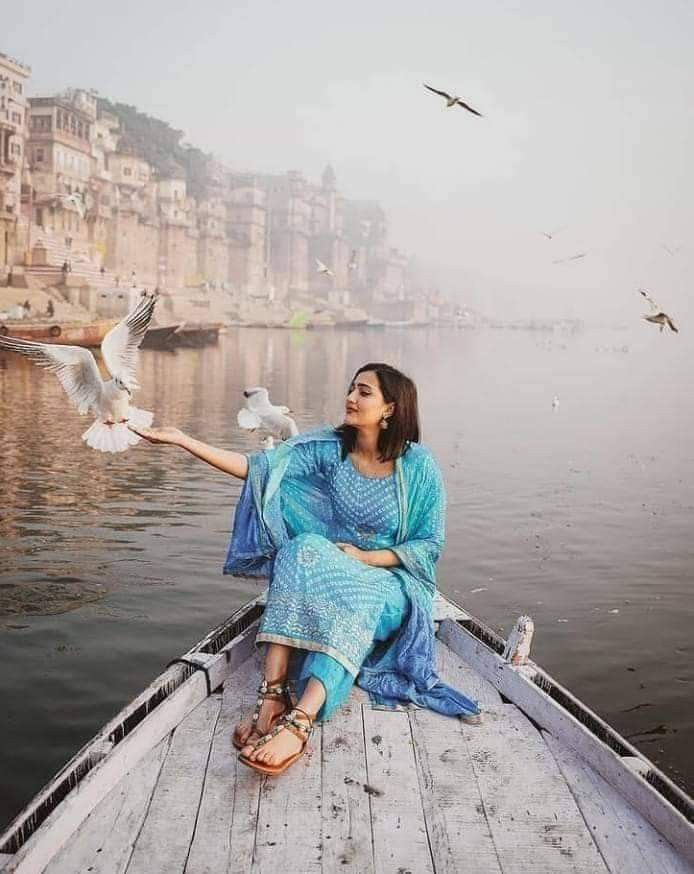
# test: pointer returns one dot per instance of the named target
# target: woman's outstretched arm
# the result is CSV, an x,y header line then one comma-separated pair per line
x,y
233,463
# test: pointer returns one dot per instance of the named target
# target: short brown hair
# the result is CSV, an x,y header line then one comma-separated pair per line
x,y
403,425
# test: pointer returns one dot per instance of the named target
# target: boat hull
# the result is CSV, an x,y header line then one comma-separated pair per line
x,y
65,333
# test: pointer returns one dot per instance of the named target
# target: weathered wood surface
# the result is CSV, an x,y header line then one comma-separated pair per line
x,y
628,843
534,820
397,817
104,842
225,830
164,841
455,671
516,686
346,818
459,833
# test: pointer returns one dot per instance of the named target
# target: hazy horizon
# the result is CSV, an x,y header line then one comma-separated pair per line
x,y
587,128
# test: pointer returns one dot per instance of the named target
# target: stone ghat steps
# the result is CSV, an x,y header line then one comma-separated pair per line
x,y
39,298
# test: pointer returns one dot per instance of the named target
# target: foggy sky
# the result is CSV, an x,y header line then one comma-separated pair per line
x,y
588,123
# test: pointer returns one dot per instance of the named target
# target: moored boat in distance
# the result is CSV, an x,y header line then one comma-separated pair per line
x,y
89,334
160,336
198,334
542,784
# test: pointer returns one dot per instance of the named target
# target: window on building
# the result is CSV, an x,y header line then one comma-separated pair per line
x,y
73,124
17,118
17,87
38,156
127,171
79,129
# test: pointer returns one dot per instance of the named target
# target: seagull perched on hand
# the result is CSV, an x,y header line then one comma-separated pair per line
x,y
657,316
78,372
452,100
260,413
323,268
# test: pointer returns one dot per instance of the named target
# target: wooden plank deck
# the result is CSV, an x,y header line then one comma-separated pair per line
x,y
381,791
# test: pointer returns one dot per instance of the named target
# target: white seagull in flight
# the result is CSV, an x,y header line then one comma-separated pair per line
x,y
452,100
323,268
260,413
78,372
657,316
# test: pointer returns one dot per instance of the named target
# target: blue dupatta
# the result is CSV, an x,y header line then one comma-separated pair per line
x,y
272,509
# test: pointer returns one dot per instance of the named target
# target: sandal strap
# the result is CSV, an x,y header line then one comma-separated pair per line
x,y
276,691
299,729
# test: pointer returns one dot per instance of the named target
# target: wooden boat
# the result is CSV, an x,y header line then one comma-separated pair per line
x,y
197,334
66,333
160,336
542,785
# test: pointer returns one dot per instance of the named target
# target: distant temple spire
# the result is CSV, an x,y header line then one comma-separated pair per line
x,y
329,179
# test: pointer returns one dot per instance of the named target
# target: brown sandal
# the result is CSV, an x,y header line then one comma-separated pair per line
x,y
290,723
277,691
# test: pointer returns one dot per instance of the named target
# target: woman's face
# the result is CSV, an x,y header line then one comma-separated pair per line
x,y
365,405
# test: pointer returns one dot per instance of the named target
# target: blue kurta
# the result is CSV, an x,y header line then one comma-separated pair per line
x,y
322,600
343,617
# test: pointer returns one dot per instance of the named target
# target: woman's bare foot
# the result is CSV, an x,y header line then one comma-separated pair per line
x,y
246,732
283,745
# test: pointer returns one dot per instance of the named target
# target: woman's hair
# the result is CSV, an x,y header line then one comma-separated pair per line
x,y
403,425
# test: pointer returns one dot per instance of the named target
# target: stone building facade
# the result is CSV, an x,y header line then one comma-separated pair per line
x,y
89,186
13,127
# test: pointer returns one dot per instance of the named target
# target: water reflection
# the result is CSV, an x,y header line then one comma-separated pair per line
x,y
580,516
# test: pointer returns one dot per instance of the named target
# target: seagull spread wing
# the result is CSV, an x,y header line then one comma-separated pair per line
x,y
120,345
469,108
440,93
319,264
248,420
75,367
653,305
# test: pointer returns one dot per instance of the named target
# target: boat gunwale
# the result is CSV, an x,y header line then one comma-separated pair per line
x,y
597,726
33,815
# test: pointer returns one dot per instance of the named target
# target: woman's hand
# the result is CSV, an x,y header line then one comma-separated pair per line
x,y
167,434
354,552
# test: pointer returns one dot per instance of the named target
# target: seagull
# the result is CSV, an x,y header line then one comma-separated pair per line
x,y
453,100
670,251
657,316
555,402
78,372
550,235
78,202
260,413
575,257
323,268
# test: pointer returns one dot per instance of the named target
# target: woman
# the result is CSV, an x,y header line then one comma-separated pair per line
x,y
348,524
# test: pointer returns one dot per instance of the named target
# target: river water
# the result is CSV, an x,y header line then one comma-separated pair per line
x,y
580,515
